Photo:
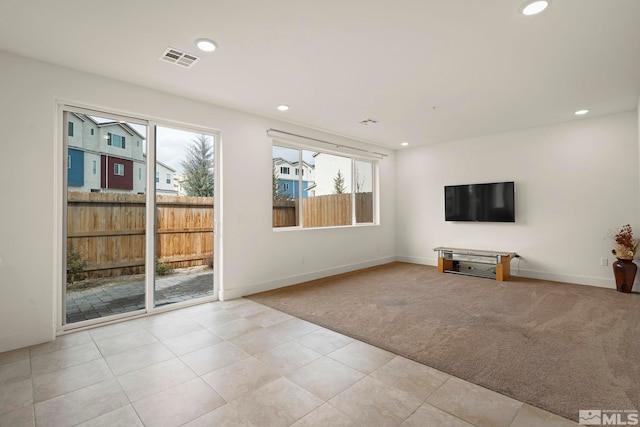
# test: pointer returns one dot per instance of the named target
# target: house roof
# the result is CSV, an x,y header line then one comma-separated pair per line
x,y
427,71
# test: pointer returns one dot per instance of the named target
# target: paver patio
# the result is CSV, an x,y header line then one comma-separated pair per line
x,y
92,303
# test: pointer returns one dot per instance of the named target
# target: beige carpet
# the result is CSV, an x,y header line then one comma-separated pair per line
x,y
558,346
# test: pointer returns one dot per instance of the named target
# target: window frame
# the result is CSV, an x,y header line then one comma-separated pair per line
x,y
117,167
373,160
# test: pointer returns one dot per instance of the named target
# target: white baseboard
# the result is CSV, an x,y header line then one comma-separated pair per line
x,y
239,292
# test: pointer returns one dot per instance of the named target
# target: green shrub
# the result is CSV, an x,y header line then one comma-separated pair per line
x,y
163,268
76,264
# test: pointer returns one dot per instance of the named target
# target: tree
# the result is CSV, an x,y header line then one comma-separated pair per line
x,y
360,180
275,186
198,167
338,184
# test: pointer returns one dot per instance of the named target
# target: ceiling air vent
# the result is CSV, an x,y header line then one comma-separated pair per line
x,y
368,122
177,57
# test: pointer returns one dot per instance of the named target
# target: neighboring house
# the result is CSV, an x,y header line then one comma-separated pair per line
x,y
109,157
288,174
165,179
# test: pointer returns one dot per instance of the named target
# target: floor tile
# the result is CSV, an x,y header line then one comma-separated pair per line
x,y
245,310
154,379
370,403
14,355
474,404
293,328
363,357
127,341
200,309
191,341
232,303
258,341
61,359
179,404
326,415
409,376
325,377
234,328
225,416
530,416
166,318
81,405
213,357
324,341
239,378
137,358
172,329
213,318
115,329
429,416
57,383
15,395
268,317
60,343
288,357
22,417
278,403
122,417
15,371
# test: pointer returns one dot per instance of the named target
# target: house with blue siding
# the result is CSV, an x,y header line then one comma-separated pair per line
x,y
292,175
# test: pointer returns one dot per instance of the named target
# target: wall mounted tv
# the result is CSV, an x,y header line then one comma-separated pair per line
x,y
493,202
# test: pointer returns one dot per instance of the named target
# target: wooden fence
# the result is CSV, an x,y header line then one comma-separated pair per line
x,y
108,230
324,211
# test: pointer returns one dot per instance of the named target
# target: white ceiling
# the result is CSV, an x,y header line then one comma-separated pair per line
x,y
427,70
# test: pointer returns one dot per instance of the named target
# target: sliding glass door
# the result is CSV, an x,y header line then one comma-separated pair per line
x,y
184,180
138,216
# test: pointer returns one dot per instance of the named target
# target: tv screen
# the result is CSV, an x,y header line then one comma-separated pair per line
x,y
493,202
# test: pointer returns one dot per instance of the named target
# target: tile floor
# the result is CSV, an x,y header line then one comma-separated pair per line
x,y
237,363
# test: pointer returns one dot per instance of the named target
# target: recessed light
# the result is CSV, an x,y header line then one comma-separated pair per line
x,y
282,107
206,45
534,7
404,144
581,112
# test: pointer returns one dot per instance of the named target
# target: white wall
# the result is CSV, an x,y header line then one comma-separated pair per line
x,y
27,216
575,183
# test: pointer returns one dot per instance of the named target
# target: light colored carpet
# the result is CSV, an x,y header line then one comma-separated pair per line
x,y
558,346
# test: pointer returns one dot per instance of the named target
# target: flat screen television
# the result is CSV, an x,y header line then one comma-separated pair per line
x,y
492,202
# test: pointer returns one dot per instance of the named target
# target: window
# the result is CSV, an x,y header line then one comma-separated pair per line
x,y
70,128
337,190
95,167
138,144
168,178
68,161
139,174
157,177
92,132
118,169
115,140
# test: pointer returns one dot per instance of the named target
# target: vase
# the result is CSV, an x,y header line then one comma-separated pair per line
x,y
624,270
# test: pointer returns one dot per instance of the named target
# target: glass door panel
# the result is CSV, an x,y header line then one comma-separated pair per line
x,y
184,182
105,231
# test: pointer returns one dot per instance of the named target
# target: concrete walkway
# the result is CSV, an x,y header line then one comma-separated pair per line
x,y
107,300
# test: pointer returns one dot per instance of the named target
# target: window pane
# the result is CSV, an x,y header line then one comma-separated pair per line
x,y
184,215
328,190
285,187
364,192
105,245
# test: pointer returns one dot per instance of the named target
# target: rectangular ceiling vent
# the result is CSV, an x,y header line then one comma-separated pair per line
x,y
177,57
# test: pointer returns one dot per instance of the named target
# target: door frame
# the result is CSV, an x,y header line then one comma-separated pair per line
x,y
60,203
